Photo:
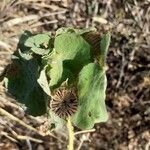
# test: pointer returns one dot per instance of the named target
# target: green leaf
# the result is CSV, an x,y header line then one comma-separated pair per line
x,y
104,45
42,80
91,97
22,40
21,82
39,44
55,73
74,49
67,75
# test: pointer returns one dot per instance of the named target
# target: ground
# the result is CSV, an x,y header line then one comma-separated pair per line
x,y
128,71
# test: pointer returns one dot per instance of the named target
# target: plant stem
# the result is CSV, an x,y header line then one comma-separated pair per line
x,y
71,135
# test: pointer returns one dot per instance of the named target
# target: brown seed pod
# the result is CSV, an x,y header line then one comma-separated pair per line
x,y
64,102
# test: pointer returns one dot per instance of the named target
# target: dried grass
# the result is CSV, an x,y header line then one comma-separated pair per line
x,y
128,66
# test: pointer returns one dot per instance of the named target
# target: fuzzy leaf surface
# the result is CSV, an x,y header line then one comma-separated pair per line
x,y
91,97
73,49
21,82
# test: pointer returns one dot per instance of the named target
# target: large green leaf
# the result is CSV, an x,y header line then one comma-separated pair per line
x,y
39,44
91,97
21,82
72,48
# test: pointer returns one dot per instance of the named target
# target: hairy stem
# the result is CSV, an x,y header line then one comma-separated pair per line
x,y
71,134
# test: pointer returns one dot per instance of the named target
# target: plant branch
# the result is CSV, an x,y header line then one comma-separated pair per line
x,y
71,134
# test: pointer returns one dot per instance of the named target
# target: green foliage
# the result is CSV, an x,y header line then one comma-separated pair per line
x,y
91,97
42,80
23,38
72,47
55,72
39,44
42,63
21,82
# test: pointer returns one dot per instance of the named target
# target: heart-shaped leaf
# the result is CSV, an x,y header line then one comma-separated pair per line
x,y
21,82
73,49
91,97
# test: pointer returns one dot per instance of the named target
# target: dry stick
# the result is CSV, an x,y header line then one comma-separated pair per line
x,y
10,116
7,136
147,146
9,103
80,145
29,144
71,135
5,46
122,70
19,20
21,137
53,7
82,141
84,131
44,23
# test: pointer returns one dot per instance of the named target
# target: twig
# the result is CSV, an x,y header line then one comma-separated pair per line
x,y
10,103
147,146
100,20
84,131
10,116
5,45
53,7
7,136
71,135
19,20
83,138
43,23
29,144
124,63
80,145
21,137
